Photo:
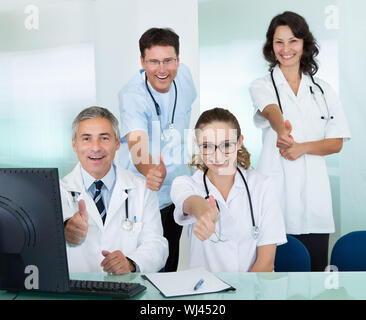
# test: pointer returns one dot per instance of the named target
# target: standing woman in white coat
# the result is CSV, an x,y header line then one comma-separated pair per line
x,y
233,216
302,121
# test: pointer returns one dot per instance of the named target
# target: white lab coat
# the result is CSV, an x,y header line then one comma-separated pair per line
x,y
239,251
303,185
144,244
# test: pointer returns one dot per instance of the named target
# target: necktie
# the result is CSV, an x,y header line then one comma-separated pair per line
x,y
98,199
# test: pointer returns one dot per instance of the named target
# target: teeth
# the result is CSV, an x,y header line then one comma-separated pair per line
x,y
94,158
160,77
218,164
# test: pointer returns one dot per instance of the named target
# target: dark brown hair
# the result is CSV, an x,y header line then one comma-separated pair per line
x,y
159,37
300,29
221,115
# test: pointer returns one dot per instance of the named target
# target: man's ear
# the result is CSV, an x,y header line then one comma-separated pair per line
x,y
118,143
74,145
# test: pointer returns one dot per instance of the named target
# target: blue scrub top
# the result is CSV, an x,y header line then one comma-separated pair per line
x,y
137,112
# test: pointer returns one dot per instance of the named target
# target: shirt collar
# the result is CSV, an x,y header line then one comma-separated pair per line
x,y
238,182
280,78
108,180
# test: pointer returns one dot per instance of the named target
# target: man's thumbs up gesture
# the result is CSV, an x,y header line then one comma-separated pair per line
x,y
156,175
206,224
76,227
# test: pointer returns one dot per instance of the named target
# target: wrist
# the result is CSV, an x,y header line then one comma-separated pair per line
x,y
132,265
304,147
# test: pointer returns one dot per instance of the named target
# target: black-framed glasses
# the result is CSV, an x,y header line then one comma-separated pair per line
x,y
165,62
226,147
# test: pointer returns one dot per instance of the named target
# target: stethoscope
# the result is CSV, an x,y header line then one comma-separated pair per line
x,y
327,118
158,110
127,224
255,229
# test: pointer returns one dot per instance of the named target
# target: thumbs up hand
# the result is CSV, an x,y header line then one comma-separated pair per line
x,y
156,176
206,224
76,228
82,211
284,138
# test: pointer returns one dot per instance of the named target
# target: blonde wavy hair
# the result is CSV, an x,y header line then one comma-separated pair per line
x,y
220,115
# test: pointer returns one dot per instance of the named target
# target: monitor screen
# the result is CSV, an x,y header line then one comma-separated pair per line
x,y
32,241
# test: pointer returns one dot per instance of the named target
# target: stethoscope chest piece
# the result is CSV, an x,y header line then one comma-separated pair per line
x,y
127,224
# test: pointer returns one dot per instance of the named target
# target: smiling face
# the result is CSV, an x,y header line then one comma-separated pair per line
x,y
96,145
287,48
222,137
161,75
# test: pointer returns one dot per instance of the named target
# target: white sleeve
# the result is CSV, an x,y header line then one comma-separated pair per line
x,y
271,225
182,189
338,126
263,94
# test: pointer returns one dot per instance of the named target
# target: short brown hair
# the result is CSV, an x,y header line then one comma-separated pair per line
x,y
159,37
300,29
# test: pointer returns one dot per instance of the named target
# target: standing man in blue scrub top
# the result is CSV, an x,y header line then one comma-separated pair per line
x,y
155,109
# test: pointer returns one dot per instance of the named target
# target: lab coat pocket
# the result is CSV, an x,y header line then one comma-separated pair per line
x,y
222,255
130,238
137,226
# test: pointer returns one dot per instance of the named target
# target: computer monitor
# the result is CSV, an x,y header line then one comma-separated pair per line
x,y
32,240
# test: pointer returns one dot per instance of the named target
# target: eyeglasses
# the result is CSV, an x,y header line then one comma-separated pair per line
x,y
156,63
226,147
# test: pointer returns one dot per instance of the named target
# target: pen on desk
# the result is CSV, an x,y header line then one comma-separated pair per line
x,y
198,285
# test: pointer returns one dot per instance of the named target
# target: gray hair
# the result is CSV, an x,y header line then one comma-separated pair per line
x,y
92,113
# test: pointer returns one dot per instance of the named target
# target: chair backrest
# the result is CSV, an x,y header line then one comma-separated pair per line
x,y
349,252
292,256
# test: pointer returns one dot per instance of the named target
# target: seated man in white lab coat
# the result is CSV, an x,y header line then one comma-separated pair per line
x,y
112,221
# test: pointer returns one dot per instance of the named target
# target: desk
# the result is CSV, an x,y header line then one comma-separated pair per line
x,y
249,286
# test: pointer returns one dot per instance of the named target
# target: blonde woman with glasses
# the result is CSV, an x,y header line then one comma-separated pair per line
x,y
234,221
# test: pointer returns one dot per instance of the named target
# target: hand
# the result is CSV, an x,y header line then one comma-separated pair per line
x,y
155,177
116,263
206,224
293,153
76,227
285,139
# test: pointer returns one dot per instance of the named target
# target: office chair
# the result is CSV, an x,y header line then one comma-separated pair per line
x,y
292,257
349,252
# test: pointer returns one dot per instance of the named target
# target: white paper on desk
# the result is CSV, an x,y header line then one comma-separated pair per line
x,y
174,284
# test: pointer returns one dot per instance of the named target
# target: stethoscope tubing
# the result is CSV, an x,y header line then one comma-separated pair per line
x,y
247,189
157,107
311,91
